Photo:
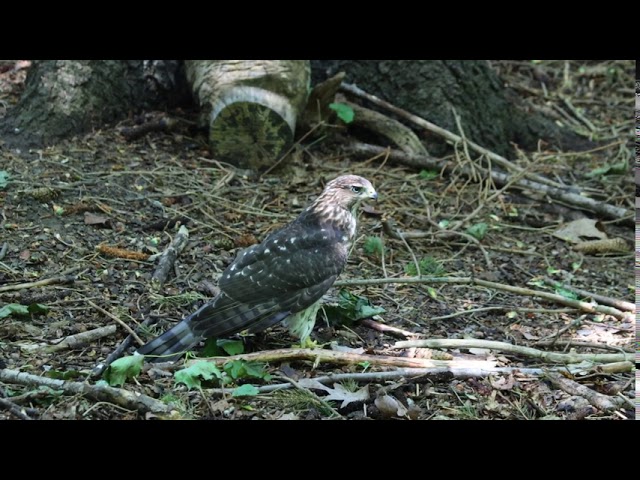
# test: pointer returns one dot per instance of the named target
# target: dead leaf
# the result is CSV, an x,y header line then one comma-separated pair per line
x,y
289,416
505,382
24,255
390,407
93,219
580,230
338,392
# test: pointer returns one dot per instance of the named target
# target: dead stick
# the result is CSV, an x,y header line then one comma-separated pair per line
x,y
14,409
101,393
168,258
598,400
584,306
562,195
81,339
552,357
613,302
40,283
117,320
381,327
452,137
330,356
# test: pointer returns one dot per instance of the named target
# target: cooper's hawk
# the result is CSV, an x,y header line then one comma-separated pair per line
x,y
282,278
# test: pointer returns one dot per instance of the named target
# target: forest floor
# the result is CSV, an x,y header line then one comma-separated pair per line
x,y
80,218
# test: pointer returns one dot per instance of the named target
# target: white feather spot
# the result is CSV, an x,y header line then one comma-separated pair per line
x,y
322,230
251,278
315,251
228,276
293,239
267,251
271,275
282,248
345,238
275,242
233,267
288,260
324,237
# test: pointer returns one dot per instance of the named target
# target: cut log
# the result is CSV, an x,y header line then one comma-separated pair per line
x,y
252,106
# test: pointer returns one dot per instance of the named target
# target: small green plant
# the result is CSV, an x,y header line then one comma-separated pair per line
x,y
373,247
351,308
428,266
122,369
344,112
18,309
427,174
478,231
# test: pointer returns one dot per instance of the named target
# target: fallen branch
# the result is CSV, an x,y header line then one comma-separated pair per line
x,y
61,280
613,302
446,134
574,199
552,357
583,306
598,400
331,356
81,339
14,409
101,393
577,343
168,258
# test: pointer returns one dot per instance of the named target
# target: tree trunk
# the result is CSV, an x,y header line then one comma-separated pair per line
x,y
433,89
65,97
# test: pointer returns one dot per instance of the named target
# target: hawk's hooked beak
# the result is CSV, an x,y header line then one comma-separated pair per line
x,y
373,195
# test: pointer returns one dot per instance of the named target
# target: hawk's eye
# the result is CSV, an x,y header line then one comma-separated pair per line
x,y
356,189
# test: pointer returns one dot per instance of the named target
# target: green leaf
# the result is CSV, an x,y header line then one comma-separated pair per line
x,y
65,375
355,307
232,347
478,231
123,368
235,369
246,390
35,308
14,309
345,112
566,293
192,375
4,179
211,348
427,174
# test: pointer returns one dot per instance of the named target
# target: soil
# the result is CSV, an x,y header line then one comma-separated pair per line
x,y
65,203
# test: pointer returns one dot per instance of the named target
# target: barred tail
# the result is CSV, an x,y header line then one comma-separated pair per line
x,y
171,345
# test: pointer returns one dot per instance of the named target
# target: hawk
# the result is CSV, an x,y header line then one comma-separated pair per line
x,y
282,278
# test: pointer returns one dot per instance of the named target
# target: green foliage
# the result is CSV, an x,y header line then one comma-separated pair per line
x,y
237,369
4,179
231,347
478,231
351,308
345,112
610,169
428,266
373,246
193,375
123,368
65,375
22,310
427,174
246,390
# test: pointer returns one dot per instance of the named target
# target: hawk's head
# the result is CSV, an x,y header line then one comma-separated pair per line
x,y
348,191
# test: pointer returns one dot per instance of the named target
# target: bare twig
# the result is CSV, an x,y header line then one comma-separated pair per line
x,y
381,327
330,356
118,321
562,195
598,400
584,306
446,134
102,393
81,339
552,357
61,280
14,409
168,258
613,302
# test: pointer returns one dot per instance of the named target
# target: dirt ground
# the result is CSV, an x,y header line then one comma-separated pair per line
x,y
64,204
